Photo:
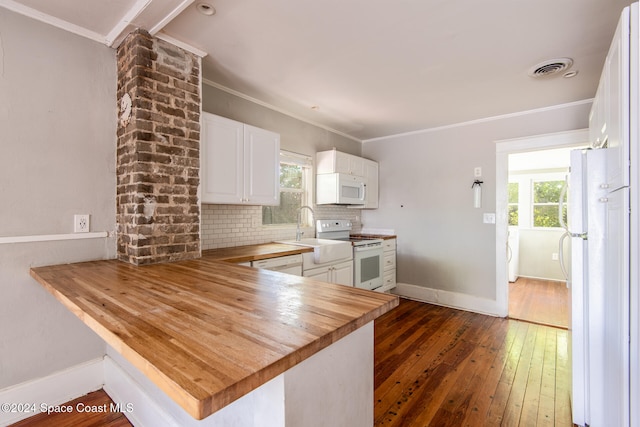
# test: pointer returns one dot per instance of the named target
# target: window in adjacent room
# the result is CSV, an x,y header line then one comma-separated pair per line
x,y
512,202
295,191
546,202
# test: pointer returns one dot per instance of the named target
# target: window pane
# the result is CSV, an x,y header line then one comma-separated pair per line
x,y
290,176
286,213
547,215
513,192
513,214
547,191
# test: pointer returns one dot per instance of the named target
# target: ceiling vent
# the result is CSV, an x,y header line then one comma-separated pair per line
x,y
548,68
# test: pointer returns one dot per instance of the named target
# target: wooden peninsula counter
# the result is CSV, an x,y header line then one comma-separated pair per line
x,y
206,332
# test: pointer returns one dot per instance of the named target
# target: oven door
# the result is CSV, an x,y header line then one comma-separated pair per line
x,y
368,266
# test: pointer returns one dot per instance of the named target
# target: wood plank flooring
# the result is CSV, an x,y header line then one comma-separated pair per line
x,y
78,418
436,366
539,301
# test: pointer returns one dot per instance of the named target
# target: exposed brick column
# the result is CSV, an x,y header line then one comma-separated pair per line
x,y
158,156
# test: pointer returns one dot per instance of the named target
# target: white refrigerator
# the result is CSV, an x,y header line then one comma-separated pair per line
x,y
604,235
599,292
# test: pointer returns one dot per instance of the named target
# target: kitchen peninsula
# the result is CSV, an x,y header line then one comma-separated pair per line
x,y
210,334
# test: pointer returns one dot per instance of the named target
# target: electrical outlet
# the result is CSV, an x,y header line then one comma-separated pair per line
x,y
81,223
489,218
477,172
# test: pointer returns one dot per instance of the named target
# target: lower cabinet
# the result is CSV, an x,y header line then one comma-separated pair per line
x,y
389,273
340,273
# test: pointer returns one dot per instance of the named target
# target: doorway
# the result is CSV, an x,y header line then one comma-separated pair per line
x,y
538,268
514,150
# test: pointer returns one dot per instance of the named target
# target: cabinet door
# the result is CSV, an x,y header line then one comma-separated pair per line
x,y
348,163
262,166
221,160
343,273
371,173
617,105
322,274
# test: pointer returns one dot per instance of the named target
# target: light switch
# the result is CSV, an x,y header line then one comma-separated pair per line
x,y
489,218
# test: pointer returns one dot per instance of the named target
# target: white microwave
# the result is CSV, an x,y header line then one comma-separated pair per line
x,y
340,189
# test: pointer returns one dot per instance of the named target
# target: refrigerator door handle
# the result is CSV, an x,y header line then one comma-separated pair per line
x,y
561,257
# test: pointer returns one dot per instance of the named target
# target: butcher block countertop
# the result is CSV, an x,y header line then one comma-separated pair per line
x,y
208,332
254,252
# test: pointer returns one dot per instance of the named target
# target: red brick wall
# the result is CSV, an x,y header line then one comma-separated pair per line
x,y
158,154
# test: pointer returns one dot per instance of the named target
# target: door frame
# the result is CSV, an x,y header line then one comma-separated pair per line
x,y
505,147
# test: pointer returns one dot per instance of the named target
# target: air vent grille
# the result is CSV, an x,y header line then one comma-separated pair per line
x,y
550,67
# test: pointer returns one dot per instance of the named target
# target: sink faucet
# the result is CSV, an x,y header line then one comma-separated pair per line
x,y
298,232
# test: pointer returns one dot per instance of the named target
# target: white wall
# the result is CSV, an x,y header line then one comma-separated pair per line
x,y
426,196
57,149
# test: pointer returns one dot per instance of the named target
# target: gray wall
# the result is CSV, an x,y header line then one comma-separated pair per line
x,y
57,140
295,135
536,249
425,195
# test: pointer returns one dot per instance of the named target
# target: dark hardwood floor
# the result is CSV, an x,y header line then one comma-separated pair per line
x,y
539,301
436,366
78,418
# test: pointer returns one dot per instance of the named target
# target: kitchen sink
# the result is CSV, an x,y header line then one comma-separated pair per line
x,y
324,250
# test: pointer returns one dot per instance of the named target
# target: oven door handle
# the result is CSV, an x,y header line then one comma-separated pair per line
x,y
367,248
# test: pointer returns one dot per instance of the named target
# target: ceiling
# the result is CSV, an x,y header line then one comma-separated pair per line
x,y
370,68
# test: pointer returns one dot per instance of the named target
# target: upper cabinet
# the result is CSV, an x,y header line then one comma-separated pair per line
x,y
609,117
240,163
333,161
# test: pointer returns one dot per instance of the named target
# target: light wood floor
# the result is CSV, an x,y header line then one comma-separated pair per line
x,y
436,366
539,301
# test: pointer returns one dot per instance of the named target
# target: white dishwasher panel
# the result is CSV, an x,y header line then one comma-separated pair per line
x,y
290,264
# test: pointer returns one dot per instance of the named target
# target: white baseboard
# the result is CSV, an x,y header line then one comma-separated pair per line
x,y
54,389
448,299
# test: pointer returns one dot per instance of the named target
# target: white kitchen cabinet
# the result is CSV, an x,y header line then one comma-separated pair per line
x,y
333,161
340,273
371,194
389,272
240,163
606,119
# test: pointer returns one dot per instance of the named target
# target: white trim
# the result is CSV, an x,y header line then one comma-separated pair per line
x,y
53,237
503,149
135,11
274,108
448,299
54,389
164,36
51,20
175,12
483,120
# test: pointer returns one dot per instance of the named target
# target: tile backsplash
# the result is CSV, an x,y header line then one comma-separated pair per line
x,y
224,226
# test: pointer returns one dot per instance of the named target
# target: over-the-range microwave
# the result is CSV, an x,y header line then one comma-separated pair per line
x,y
340,189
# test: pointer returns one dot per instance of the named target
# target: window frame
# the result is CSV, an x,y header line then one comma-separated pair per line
x,y
306,163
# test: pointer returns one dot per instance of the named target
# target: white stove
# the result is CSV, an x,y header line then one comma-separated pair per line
x,y
367,252
340,229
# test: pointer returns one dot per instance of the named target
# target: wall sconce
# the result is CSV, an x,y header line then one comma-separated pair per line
x,y
477,193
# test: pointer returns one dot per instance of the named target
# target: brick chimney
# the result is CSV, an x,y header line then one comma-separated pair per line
x,y
158,153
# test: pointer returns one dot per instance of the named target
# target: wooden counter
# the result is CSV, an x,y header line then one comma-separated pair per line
x,y
254,252
208,332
